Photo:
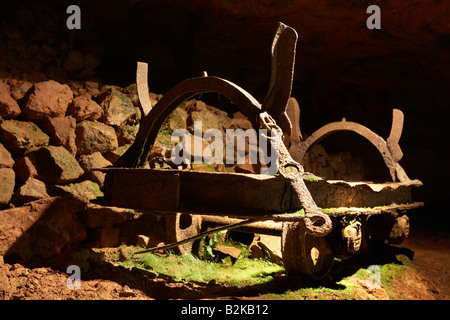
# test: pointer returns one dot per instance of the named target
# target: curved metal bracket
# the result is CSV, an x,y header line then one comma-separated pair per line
x,y
150,124
390,150
281,76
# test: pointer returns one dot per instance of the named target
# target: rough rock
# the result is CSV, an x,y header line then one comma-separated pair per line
x,y
238,123
47,99
20,136
267,247
196,148
83,107
93,161
226,251
9,109
142,241
97,216
126,134
7,181
131,92
125,254
92,88
55,165
114,155
117,107
84,191
340,166
94,136
61,131
177,119
5,158
19,88
211,118
22,229
32,189
24,169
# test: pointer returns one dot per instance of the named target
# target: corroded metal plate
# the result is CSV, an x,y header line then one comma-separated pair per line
x,y
240,194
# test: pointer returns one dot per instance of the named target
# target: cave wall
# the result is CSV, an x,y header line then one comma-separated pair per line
x,y
342,68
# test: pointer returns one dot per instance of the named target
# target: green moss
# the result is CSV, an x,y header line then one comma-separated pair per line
x,y
300,212
132,129
97,191
189,268
311,178
163,139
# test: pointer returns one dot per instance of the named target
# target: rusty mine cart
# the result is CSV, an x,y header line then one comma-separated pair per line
x,y
318,219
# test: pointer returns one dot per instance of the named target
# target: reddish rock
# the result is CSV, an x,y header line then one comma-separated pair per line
x,y
97,216
19,88
5,158
41,229
20,136
47,99
211,118
7,181
142,241
61,131
177,119
117,107
32,189
131,92
93,136
92,161
9,108
92,88
85,191
126,134
225,251
55,165
238,123
115,154
83,107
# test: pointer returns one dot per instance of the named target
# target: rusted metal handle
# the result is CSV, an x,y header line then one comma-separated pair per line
x,y
317,223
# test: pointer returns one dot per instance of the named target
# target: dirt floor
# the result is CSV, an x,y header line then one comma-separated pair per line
x,y
428,279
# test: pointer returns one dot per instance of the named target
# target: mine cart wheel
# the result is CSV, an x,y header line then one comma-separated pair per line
x,y
400,230
303,254
181,226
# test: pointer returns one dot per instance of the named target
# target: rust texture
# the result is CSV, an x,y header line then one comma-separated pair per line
x,y
278,112
316,222
389,150
142,87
